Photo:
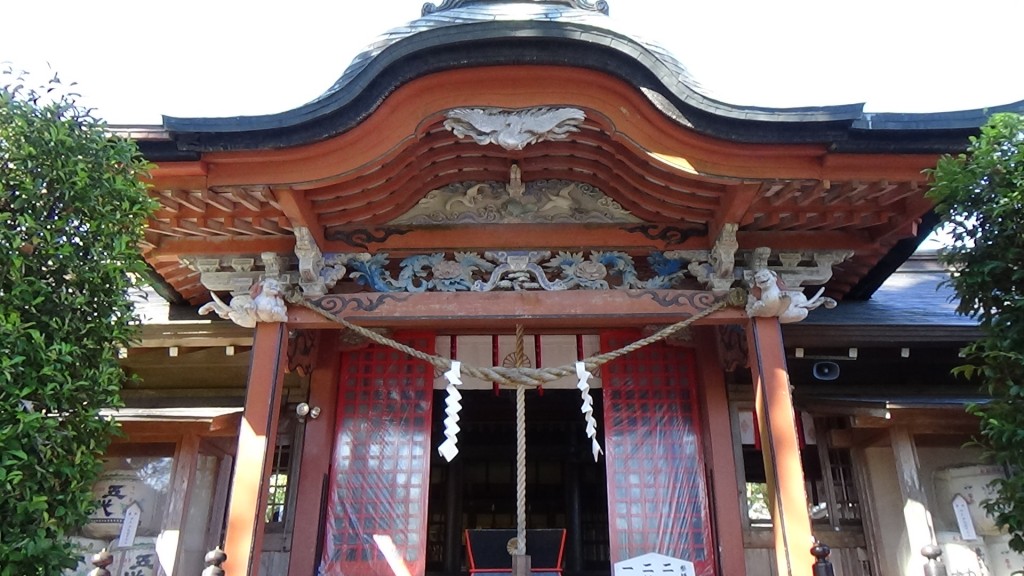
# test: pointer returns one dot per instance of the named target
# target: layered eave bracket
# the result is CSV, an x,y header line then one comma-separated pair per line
x,y
430,160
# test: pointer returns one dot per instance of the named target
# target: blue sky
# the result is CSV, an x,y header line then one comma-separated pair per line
x,y
136,60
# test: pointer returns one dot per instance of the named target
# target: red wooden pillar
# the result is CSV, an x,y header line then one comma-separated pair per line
x,y
317,444
780,444
254,459
722,459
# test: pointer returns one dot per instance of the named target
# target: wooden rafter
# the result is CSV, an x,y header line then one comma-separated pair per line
x,y
735,207
178,175
300,212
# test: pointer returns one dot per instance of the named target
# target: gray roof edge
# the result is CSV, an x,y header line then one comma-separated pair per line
x,y
597,6
953,120
440,41
679,87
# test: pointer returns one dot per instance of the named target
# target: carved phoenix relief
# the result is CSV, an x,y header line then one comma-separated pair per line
x,y
514,129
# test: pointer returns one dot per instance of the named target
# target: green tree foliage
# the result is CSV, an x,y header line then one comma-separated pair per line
x,y
980,197
72,211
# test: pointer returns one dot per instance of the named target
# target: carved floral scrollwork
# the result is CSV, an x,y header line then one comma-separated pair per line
x,y
592,273
661,276
514,270
434,271
518,271
371,271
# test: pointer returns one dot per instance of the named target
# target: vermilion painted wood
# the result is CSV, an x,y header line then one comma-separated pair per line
x,y
720,455
625,108
476,310
254,459
780,446
654,167
317,445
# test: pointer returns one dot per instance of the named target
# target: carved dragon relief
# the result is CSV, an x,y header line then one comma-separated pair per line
x,y
514,129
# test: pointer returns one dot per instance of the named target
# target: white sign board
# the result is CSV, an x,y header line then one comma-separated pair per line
x,y
962,511
132,515
654,565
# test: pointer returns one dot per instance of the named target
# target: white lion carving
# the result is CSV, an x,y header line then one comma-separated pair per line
x,y
263,303
787,305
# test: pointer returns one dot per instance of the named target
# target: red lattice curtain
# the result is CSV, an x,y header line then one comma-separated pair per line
x,y
377,508
657,499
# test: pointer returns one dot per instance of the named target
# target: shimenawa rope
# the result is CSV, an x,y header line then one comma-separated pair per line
x,y
525,376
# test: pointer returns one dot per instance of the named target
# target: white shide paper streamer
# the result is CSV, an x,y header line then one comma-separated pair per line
x,y
448,449
588,406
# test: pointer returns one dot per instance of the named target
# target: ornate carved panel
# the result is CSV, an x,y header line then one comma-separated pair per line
x,y
538,202
514,129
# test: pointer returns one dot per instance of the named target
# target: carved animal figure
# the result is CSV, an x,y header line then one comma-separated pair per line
x,y
264,303
268,302
787,305
237,312
561,201
468,199
514,129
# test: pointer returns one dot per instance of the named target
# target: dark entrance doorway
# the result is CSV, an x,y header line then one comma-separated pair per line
x,y
565,487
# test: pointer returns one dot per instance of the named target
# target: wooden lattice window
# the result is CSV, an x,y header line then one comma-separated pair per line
x,y
657,499
377,515
277,499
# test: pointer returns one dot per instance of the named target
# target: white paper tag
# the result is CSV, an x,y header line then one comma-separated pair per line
x,y
447,450
587,408
962,511
131,525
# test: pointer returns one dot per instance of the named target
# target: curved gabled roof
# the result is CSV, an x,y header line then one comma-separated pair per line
x,y
362,154
481,33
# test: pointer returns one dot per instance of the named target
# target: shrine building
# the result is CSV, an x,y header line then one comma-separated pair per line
x,y
515,288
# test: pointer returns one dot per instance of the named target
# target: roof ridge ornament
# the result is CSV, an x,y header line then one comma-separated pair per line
x,y
598,6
